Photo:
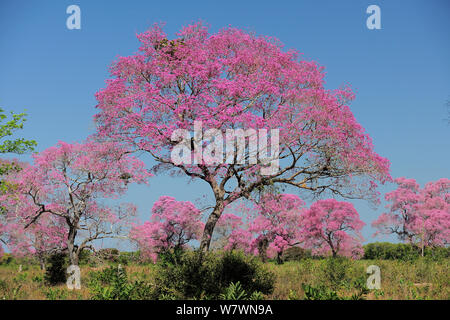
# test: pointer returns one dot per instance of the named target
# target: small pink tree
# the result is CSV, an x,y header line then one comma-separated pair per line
x,y
418,216
172,225
67,182
43,238
432,224
276,224
234,233
332,227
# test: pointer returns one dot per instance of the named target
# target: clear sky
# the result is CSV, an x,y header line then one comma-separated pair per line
x,y
401,73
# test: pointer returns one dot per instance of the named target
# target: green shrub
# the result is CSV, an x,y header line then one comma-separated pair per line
x,y
130,257
56,271
295,254
7,259
235,266
402,251
56,294
85,257
320,292
38,278
208,275
113,284
235,292
109,254
437,254
336,272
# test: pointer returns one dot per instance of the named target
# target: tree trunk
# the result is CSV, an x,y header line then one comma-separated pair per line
x,y
262,249
209,226
42,262
279,260
73,252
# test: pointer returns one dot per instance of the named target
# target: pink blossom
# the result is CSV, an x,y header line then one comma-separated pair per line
x,y
172,225
332,227
234,79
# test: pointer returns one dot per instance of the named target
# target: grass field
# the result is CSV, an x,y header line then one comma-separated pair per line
x,y
417,279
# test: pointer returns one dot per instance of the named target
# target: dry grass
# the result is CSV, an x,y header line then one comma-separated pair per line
x,y
400,280
419,279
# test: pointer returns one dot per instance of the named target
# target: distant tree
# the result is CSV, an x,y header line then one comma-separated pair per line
x,y
45,237
276,225
418,216
8,126
172,225
227,223
69,181
234,233
332,227
18,145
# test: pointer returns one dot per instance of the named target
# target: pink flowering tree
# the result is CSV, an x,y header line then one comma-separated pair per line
x,y
225,226
40,240
232,233
2,237
276,225
213,83
67,183
418,216
7,169
332,227
173,224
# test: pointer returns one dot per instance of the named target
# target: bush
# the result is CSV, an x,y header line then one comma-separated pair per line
x,y
390,251
56,294
336,272
208,275
109,254
236,292
113,284
337,279
56,272
319,293
438,253
402,251
238,267
85,257
6,259
295,254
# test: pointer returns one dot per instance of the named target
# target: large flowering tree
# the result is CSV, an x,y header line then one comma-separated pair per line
x,y
67,183
332,227
236,80
172,225
418,216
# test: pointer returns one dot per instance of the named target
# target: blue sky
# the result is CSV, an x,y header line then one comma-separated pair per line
x,y
401,73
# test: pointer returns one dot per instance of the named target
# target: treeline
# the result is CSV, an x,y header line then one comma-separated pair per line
x,y
402,251
372,251
379,251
